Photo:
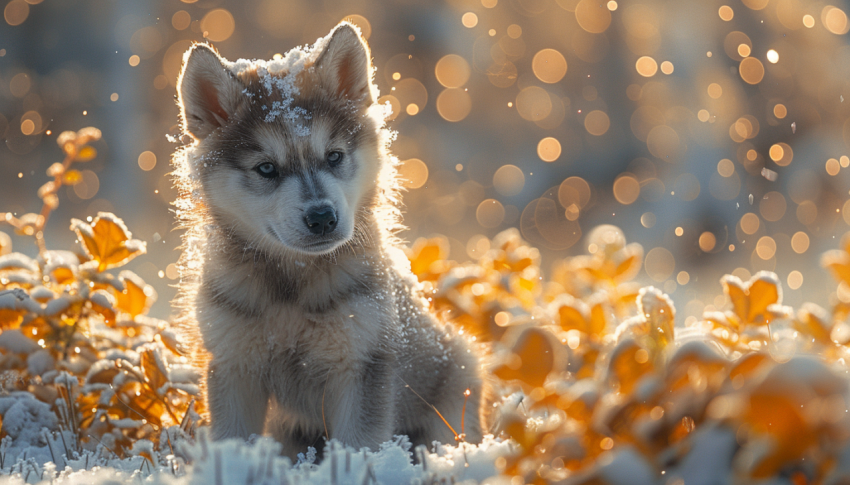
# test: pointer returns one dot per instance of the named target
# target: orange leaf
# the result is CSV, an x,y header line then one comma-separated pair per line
x,y
764,291
781,417
572,319
658,311
102,376
133,300
629,362
629,267
748,364
838,262
85,154
536,353
814,321
154,374
107,240
598,321
516,428
425,252
102,303
735,289
63,275
5,243
10,319
72,177
751,301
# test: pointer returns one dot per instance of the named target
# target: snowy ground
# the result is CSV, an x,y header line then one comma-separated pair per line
x,y
237,462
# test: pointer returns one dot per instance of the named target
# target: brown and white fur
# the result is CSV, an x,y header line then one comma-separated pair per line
x,y
303,329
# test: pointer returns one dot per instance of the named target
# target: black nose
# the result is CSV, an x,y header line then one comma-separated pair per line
x,y
321,220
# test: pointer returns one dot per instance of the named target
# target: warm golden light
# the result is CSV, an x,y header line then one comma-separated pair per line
x,y
800,242
659,264
714,90
626,189
795,280
750,223
707,241
490,213
646,66
549,66
508,180
772,56
27,127
593,16
726,13
16,12
452,71
181,20
597,123
454,104
808,21
832,167
218,25
549,149
756,4
751,70
834,19
469,20
413,173
725,167
533,103
766,247
147,161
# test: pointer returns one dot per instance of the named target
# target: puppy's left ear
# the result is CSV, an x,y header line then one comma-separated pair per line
x,y
345,65
208,93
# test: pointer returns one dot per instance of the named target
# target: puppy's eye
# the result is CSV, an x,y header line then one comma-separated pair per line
x,y
267,170
334,158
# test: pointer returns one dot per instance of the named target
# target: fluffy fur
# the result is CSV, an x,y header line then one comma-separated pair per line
x,y
306,333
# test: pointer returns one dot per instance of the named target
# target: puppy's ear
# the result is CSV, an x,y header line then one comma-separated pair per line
x,y
208,92
345,65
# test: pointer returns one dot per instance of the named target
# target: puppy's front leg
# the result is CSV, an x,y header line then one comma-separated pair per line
x,y
363,411
237,400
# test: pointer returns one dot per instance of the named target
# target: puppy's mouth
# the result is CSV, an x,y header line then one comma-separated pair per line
x,y
313,246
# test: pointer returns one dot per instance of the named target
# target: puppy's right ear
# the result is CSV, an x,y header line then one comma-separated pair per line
x,y
208,92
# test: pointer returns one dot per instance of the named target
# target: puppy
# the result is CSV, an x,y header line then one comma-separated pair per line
x,y
299,303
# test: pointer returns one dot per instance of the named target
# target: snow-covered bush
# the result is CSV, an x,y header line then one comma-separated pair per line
x,y
78,354
605,387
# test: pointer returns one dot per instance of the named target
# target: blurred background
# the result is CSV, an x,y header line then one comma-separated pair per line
x,y
713,133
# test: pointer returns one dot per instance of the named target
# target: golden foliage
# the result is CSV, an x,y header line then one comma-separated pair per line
x,y
115,374
107,241
602,367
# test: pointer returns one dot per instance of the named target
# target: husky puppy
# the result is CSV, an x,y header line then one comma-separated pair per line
x,y
307,318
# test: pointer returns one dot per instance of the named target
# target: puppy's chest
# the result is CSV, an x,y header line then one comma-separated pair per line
x,y
350,333
335,318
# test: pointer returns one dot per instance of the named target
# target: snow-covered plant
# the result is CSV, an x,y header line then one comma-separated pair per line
x,y
76,336
603,387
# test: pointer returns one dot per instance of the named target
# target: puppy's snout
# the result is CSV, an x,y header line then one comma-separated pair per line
x,y
321,220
